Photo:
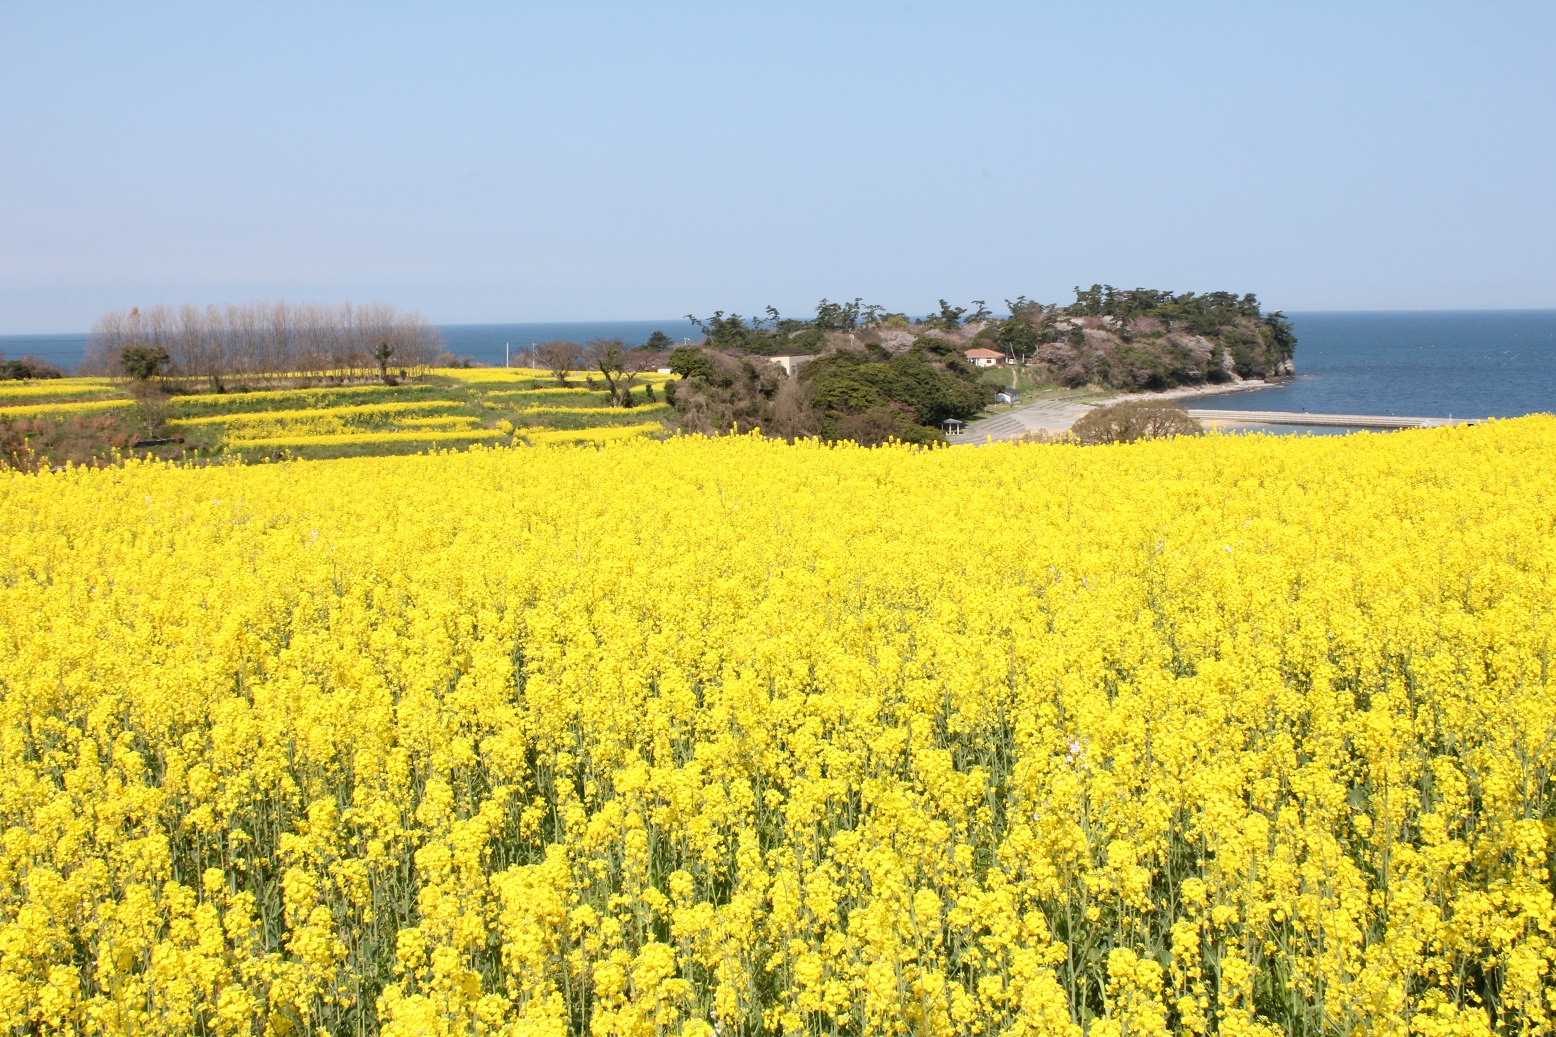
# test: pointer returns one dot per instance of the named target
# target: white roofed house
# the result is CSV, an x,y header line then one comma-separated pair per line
x,y
984,357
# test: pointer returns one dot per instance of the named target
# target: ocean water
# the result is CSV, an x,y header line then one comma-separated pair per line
x,y
484,342
63,351
1466,364
1432,364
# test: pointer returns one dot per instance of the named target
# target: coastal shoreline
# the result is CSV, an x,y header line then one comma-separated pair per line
x,y
1055,415
1186,392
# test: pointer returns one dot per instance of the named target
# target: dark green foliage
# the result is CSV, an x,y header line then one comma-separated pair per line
x,y
1198,314
948,319
1016,336
806,342
690,362
659,341
930,383
27,367
144,362
837,316
1279,334
731,332
383,354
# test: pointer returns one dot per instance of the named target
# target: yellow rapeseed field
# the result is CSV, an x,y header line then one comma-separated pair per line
x,y
1237,735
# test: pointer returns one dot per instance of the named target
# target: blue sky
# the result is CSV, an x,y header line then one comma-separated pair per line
x,y
615,161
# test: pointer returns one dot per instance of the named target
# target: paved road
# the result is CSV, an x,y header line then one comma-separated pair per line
x,y
1044,416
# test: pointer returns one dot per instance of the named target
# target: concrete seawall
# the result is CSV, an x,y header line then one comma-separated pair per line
x,y
1275,417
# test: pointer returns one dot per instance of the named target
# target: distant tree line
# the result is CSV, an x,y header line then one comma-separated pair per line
x,y
27,367
261,339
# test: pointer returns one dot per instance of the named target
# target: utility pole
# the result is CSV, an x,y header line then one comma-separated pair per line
x,y
505,356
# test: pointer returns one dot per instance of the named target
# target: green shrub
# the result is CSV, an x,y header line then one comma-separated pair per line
x,y
1134,420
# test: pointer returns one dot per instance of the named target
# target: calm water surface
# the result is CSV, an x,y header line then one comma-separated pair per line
x,y
1467,364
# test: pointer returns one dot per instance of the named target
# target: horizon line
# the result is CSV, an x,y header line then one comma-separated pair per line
x,y
651,320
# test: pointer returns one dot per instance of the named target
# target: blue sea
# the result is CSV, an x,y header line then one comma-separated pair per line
x,y
1429,364
1465,364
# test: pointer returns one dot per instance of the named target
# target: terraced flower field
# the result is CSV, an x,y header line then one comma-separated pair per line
x,y
449,408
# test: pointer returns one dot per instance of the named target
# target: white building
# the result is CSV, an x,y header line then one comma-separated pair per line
x,y
791,363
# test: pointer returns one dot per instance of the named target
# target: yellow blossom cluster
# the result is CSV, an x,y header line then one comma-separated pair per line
x,y
484,376
249,428
28,391
1234,735
62,408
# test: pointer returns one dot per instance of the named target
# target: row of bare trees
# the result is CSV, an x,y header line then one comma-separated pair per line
x,y
266,340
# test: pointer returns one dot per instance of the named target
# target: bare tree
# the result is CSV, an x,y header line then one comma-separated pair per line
x,y
620,367
276,340
559,356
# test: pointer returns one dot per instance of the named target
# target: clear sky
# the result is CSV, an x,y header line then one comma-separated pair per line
x,y
593,161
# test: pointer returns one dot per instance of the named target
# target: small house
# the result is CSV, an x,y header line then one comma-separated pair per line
x,y
984,357
1007,396
791,364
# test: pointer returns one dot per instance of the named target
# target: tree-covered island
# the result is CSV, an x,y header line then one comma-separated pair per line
x,y
855,371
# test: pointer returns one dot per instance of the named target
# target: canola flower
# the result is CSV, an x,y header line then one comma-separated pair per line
x,y
361,410
491,375
26,391
1236,735
62,408
317,397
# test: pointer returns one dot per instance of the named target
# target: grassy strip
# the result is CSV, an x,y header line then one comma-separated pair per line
x,y
572,390
590,435
361,410
640,409
355,439
483,375
445,421
240,402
